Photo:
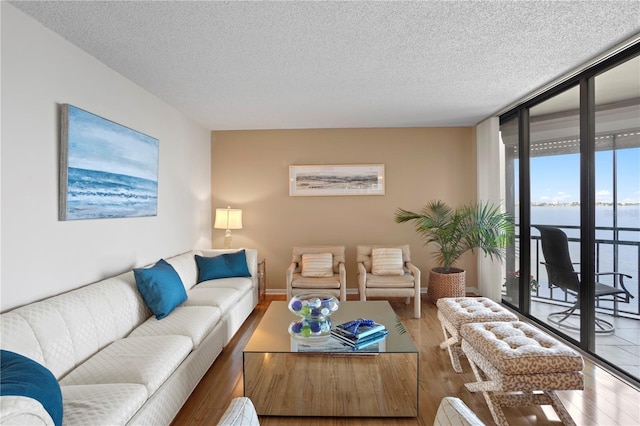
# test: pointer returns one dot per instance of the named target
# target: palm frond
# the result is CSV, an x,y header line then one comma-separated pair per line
x,y
474,226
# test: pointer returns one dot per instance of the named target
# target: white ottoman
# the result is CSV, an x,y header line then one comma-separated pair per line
x,y
516,360
455,311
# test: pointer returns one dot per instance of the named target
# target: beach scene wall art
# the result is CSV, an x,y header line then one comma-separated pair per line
x,y
106,170
319,180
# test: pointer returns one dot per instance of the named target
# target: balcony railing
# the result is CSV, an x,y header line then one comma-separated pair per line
x,y
614,254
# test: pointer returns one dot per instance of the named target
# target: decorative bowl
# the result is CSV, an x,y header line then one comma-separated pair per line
x,y
313,304
314,309
310,329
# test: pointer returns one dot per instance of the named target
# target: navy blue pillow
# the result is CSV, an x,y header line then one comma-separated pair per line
x,y
227,265
160,287
22,376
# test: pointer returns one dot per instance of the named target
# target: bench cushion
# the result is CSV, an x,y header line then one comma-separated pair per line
x,y
464,310
518,348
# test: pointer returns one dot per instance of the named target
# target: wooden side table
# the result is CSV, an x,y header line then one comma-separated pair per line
x,y
262,277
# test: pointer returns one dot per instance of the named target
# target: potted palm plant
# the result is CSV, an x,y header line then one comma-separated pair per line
x,y
455,231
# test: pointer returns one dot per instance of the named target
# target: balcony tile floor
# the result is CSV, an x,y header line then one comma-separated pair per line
x,y
621,348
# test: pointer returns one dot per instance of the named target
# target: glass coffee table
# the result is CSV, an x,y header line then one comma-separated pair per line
x,y
287,377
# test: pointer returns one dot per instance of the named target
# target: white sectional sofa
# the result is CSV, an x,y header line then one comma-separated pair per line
x,y
114,361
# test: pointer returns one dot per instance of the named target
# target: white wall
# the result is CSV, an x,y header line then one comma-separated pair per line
x,y
491,188
41,256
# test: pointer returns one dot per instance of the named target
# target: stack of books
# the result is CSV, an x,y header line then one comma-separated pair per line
x,y
359,333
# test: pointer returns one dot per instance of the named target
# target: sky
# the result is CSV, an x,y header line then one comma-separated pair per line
x,y
556,179
99,144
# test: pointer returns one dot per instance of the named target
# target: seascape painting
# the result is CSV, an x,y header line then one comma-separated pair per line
x,y
106,170
313,180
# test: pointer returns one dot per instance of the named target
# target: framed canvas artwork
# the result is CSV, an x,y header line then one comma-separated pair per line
x,y
106,170
312,180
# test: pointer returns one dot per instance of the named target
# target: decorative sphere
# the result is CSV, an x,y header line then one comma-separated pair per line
x,y
297,327
314,326
296,305
306,331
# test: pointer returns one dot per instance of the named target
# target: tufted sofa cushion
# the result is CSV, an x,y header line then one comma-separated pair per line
x,y
65,330
518,348
464,310
102,404
195,322
146,360
186,267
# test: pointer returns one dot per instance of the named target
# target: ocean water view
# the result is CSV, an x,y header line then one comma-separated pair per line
x,y
95,194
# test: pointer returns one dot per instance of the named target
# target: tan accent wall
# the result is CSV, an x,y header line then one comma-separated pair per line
x,y
250,171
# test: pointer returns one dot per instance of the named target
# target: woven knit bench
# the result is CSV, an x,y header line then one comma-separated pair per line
x,y
525,365
455,311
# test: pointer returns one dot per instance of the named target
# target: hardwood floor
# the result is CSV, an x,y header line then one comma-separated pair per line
x,y
606,400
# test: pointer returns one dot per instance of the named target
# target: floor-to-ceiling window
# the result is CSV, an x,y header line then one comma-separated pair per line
x,y
509,131
617,209
554,200
572,168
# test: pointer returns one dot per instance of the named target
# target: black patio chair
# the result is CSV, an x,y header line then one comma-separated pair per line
x,y
560,271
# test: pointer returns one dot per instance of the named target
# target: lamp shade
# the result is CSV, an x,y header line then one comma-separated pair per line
x,y
228,219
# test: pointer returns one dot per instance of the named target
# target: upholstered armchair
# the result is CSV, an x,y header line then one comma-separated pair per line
x,y
387,271
317,268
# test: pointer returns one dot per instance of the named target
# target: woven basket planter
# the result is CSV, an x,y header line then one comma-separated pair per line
x,y
446,285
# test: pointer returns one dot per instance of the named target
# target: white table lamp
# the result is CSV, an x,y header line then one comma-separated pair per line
x,y
228,219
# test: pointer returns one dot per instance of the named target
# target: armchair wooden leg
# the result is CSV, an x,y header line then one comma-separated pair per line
x,y
343,294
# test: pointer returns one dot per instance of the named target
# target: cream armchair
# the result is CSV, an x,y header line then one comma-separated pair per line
x,y
317,268
387,271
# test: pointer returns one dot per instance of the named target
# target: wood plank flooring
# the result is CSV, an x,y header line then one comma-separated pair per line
x,y
606,400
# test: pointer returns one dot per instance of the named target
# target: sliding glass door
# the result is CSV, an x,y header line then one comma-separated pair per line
x,y
572,171
554,170
617,214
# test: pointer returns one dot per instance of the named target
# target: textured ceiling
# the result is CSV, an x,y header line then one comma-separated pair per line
x,y
285,65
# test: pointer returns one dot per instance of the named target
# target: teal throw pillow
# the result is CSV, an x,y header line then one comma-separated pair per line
x,y
238,263
227,265
160,287
22,376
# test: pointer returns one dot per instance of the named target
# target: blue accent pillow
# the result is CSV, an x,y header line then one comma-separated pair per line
x,y
227,265
160,287
22,376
